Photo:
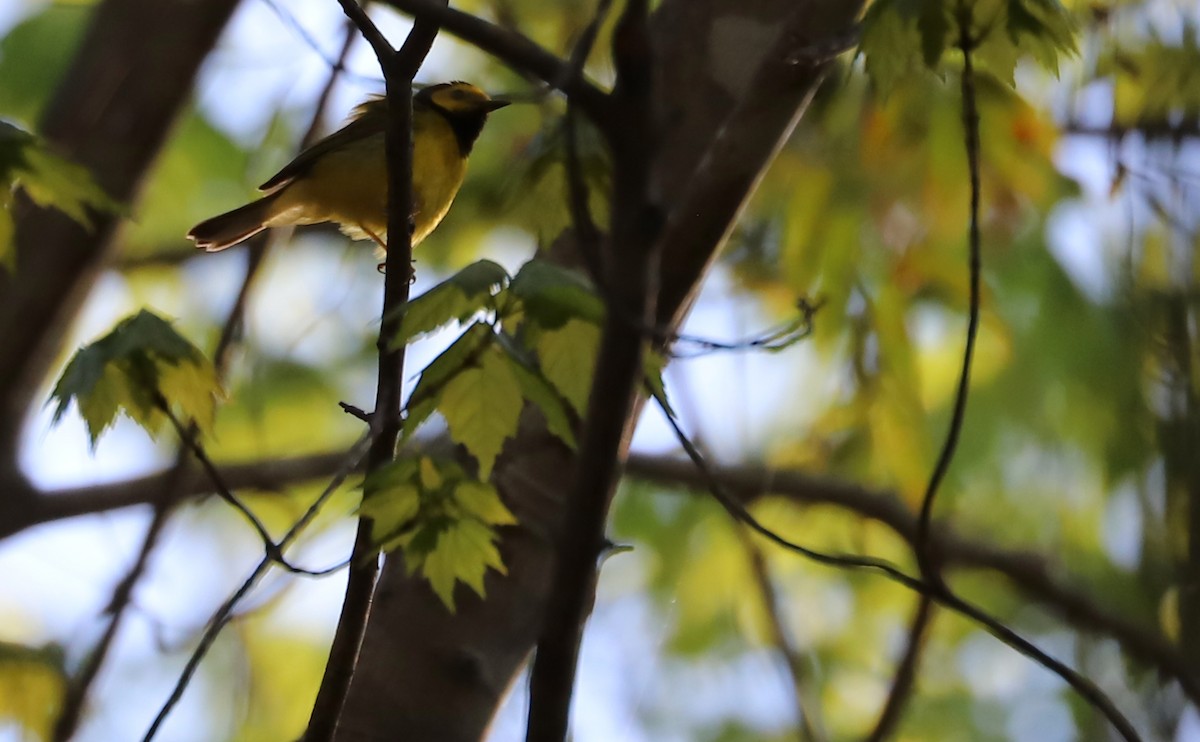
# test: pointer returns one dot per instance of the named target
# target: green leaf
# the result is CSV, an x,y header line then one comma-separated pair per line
x,y
451,361
539,391
653,364
455,299
901,37
552,295
892,45
137,367
464,551
392,512
193,388
568,359
415,414
481,500
440,518
933,23
49,180
482,406
427,395
1043,29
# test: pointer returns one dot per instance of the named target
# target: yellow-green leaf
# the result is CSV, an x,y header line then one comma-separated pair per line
x,y
482,501
464,552
482,405
568,358
455,299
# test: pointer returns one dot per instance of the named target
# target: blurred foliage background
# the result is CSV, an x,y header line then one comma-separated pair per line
x,y
1081,445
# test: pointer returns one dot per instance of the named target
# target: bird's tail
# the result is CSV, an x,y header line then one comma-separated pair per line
x,y
230,228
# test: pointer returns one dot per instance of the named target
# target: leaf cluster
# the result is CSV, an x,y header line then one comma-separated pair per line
x,y
141,368
49,180
440,518
529,338
901,37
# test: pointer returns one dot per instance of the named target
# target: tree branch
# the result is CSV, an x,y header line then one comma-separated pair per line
x,y
807,717
515,50
937,590
1031,574
904,681
345,464
633,282
399,68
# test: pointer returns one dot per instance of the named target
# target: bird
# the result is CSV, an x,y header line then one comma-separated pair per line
x,y
343,177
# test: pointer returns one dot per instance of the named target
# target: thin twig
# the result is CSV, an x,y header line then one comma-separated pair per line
x,y
349,463
79,686
936,590
274,552
929,562
925,557
399,68
904,680
806,711
164,504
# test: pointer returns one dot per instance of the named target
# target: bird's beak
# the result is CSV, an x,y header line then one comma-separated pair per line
x,y
494,104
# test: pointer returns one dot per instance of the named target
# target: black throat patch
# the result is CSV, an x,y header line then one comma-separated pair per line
x,y
466,127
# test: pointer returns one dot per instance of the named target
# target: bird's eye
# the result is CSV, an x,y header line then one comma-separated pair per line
x,y
458,94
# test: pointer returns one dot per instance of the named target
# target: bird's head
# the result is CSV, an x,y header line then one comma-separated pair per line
x,y
459,98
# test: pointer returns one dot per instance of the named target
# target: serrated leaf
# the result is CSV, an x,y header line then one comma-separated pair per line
x,y
1043,29
892,45
567,356
134,369
481,500
452,361
194,388
539,391
482,406
391,511
49,180
454,300
99,408
417,414
464,552
53,182
552,295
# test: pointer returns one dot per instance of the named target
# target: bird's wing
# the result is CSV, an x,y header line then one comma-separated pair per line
x,y
361,126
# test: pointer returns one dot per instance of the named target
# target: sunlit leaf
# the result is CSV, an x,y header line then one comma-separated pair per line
x,y
568,358
482,405
482,501
440,518
464,552
32,684
552,295
539,391
135,369
455,299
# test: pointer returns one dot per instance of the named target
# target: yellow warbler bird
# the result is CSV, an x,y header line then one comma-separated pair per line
x,y
343,177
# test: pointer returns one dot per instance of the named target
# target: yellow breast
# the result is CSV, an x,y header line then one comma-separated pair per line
x,y
348,185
